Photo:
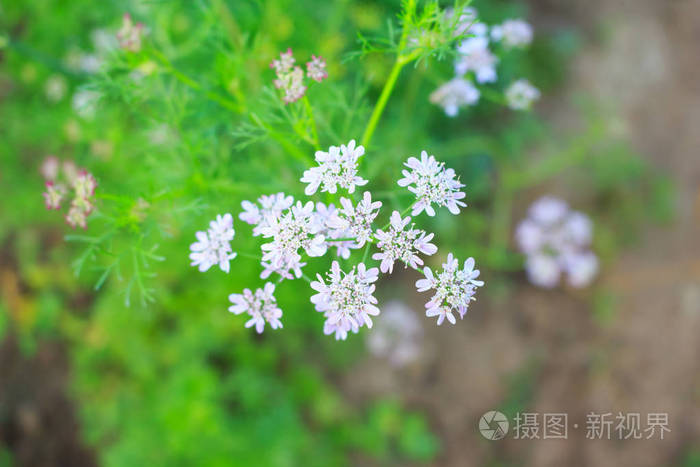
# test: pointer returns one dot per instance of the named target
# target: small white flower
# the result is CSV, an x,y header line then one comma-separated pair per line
x,y
290,232
555,241
454,94
543,270
316,68
289,270
261,306
55,88
431,182
513,33
355,222
292,84
581,268
475,56
402,245
270,206
214,246
467,22
454,289
285,63
323,215
85,102
347,300
130,34
521,94
336,167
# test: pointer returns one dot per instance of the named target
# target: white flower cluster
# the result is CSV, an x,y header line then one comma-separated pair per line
x,y
521,94
271,207
261,306
292,231
347,300
454,289
399,243
556,240
130,34
432,184
337,167
297,230
477,61
62,179
290,78
214,245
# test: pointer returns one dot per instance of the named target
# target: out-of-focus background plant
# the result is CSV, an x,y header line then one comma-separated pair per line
x,y
115,351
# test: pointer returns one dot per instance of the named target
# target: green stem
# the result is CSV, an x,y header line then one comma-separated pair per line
x,y
383,99
244,254
310,113
187,81
292,149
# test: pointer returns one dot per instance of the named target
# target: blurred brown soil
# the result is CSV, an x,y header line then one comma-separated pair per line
x,y
38,423
647,358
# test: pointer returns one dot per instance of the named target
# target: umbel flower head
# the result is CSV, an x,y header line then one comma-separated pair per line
x,y
355,222
316,68
271,206
337,167
213,246
80,183
454,289
290,232
556,240
399,243
347,300
129,35
513,33
456,93
290,78
260,305
521,94
432,183
475,56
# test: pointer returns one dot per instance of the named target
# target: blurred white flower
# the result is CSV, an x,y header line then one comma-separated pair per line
x,y
316,69
399,243
337,167
475,56
130,34
397,334
431,182
456,93
85,103
285,63
513,33
291,84
555,241
347,300
54,195
467,23
49,168
521,94
55,88
261,306
213,246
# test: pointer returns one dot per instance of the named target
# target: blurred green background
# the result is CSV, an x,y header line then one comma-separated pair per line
x,y
135,360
